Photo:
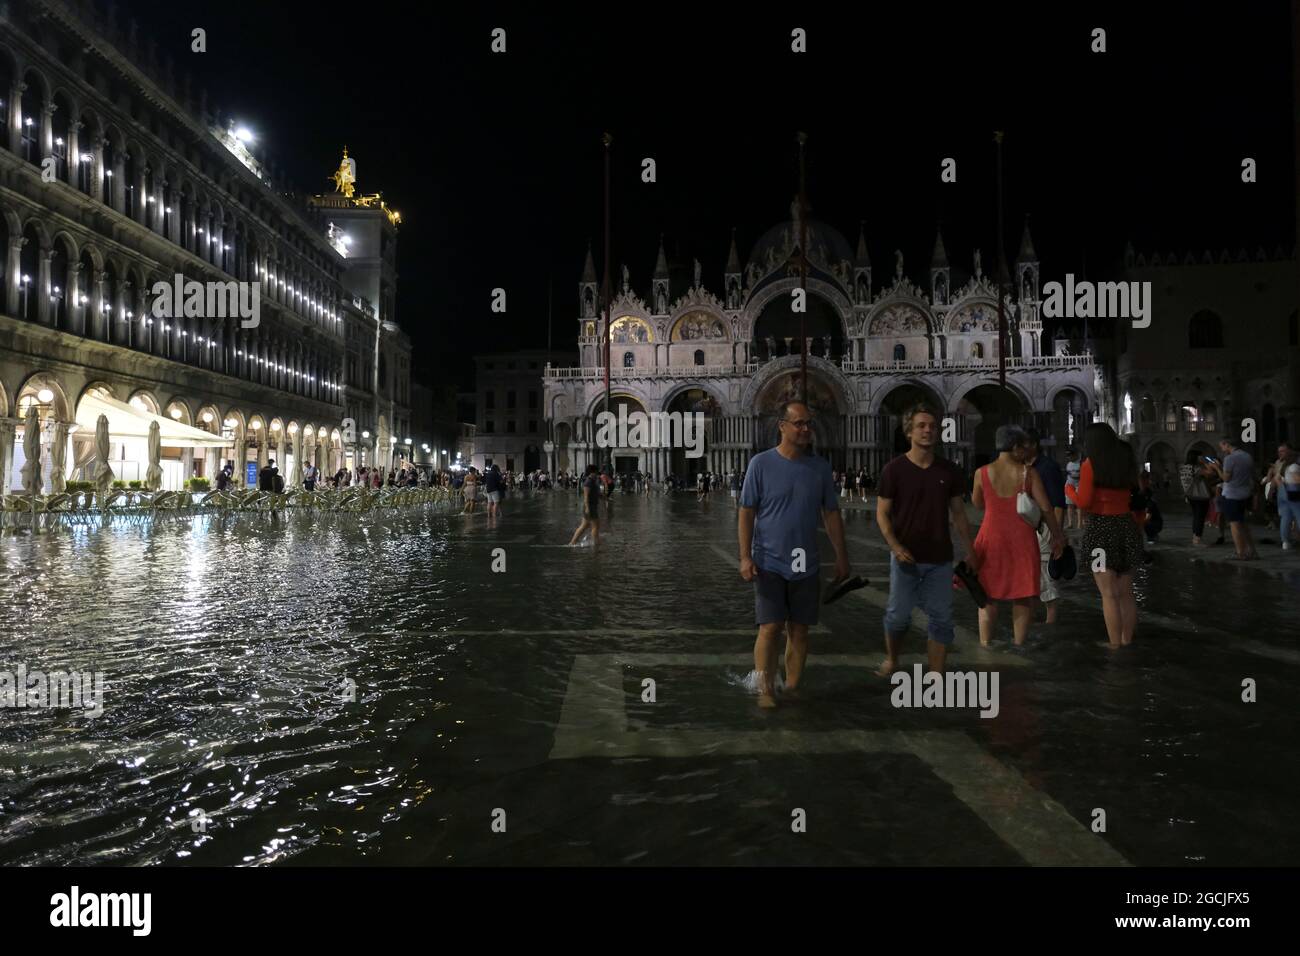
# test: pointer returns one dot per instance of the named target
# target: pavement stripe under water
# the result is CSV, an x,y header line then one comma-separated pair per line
x,y
593,724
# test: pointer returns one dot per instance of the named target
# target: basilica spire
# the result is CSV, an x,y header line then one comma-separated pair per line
x,y
587,293
939,258
659,282
1027,253
731,278
862,268
1027,275
939,271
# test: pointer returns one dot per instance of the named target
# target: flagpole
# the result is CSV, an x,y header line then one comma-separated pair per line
x,y
803,271
604,291
1002,272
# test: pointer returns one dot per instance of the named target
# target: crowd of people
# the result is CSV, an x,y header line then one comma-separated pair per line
x,y
1021,552
406,476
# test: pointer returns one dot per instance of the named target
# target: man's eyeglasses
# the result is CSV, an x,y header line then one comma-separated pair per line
x,y
799,422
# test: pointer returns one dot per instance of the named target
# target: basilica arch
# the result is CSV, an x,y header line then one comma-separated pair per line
x,y
769,315
829,396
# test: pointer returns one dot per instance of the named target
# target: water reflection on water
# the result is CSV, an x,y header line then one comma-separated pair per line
x,y
229,650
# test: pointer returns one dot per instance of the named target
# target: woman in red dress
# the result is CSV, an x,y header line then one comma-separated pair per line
x,y
1006,545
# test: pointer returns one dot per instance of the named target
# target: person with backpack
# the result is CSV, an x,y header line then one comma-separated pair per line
x,y
1197,493
266,477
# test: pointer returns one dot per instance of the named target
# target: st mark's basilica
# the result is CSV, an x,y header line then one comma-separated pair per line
x,y
874,348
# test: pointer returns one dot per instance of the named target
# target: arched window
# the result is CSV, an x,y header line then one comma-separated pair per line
x,y
1205,331
699,356
977,350
1190,417
1128,412
900,353
1171,415
629,360
1207,417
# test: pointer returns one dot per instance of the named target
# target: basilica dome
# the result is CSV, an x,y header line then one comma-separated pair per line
x,y
825,242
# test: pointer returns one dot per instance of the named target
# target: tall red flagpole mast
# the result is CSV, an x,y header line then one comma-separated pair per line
x,y
1002,277
604,291
803,272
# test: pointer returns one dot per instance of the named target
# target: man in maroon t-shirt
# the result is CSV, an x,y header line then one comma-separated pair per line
x,y
919,491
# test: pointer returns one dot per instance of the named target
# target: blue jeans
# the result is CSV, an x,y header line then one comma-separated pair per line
x,y
926,585
1288,512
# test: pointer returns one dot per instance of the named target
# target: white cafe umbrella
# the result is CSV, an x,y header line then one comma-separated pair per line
x,y
153,477
58,455
32,452
103,473
295,475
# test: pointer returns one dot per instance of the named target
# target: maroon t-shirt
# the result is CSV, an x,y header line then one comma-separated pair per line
x,y
920,500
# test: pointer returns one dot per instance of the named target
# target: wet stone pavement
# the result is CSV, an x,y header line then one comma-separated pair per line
x,y
228,650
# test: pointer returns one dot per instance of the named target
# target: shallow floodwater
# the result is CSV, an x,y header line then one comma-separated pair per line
x,y
344,689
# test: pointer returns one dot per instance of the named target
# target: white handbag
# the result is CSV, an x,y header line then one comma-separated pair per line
x,y
1026,506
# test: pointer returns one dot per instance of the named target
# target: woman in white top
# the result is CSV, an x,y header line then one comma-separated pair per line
x,y
1072,471
470,489
1286,488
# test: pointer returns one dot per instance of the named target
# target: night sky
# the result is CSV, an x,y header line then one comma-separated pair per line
x,y
495,161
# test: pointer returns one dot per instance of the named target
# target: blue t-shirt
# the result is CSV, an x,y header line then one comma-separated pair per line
x,y
787,497
1240,469
1053,481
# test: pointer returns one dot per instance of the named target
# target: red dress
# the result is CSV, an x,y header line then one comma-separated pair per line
x,y
1007,548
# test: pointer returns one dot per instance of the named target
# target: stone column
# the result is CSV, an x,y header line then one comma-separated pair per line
x,y
76,312
139,192
14,121
7,429
13,291
99,328
118,189
42,290
74,154
96,171
47,132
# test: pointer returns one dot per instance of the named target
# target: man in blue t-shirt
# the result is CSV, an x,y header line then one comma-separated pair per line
x,y
1238,474
784,492
1048,470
